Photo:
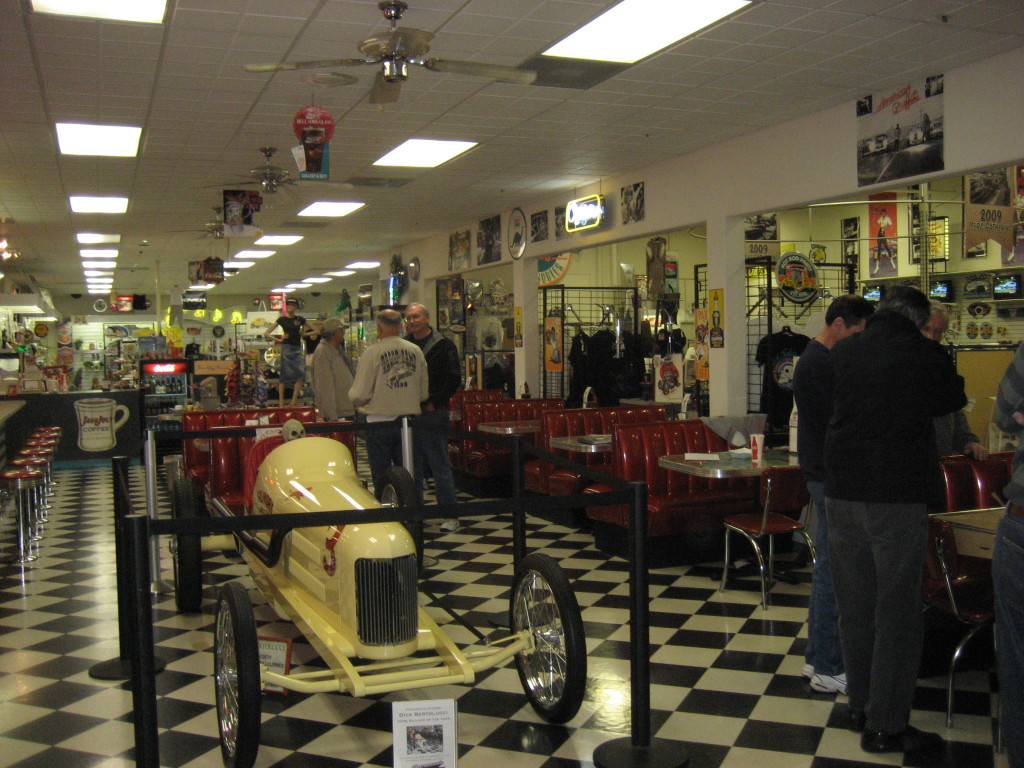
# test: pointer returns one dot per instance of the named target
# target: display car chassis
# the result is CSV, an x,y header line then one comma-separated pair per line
x,y
352,590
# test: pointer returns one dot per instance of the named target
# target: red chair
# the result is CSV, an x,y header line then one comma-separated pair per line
x,y
783,490
952,588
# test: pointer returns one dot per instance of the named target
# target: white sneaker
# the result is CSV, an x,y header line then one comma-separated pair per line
x,y
829,683
449,525
808,670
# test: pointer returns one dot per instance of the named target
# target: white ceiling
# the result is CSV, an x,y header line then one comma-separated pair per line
x,y
204,117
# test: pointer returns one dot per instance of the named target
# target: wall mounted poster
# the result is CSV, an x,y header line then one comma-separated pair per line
x,y
900,132
539,226
553,344
458,250
882,220
989,214
1016,256
631,202
488,241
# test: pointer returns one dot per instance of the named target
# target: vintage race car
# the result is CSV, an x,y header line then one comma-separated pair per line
x,y
353,592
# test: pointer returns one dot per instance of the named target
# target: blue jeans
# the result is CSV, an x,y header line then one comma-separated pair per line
x,y
1008,577
877,552
383,449
824,651
431,449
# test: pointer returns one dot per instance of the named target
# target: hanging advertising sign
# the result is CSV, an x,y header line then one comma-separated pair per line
x,y
900,132
314,127
584,213
797,277
239,206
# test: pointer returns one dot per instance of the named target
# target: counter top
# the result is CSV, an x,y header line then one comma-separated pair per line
x,y
8,408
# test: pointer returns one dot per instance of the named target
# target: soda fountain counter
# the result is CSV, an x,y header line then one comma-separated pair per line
x,y
96,424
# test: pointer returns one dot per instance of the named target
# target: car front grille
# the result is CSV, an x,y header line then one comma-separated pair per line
x,y
386,600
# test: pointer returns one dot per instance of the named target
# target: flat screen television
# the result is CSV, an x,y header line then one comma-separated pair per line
x,y
941,290
1007,286
874,292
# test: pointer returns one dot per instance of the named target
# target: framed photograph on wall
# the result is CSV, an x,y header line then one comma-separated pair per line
x,y
850,236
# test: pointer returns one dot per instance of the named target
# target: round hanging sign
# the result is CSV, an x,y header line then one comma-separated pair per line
x,y
312,117
797,277
551,269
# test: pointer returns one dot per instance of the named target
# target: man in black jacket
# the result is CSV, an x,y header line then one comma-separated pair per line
x,y
431,447
881,470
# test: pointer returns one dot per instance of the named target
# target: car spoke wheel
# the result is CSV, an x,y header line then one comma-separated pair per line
x,y
237,677
187,550
554,672
398,489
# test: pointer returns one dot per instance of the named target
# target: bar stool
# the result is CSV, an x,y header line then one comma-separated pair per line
x,y
41,505
48,454
23,482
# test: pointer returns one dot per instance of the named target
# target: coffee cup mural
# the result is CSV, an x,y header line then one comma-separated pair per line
x,y
99,418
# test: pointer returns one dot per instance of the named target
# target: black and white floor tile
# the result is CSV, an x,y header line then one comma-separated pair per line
x,y
725,674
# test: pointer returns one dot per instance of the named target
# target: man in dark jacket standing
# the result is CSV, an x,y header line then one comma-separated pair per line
x,y
881,470
431,447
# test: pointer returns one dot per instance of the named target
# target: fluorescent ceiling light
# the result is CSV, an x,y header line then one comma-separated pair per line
x,y
91,264
97,273
362,265
315,280
50,319
627,32
238,264
424,153
94,238
145,11
105,140
101,291
342,273
278,240
333,209
200,287
108,284
98,253
296,286
254,254
88,204
281,290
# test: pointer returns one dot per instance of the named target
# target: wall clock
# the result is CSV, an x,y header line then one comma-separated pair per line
x,y
516,235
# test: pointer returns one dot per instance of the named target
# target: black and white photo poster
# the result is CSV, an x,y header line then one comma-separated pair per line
x,y
900,132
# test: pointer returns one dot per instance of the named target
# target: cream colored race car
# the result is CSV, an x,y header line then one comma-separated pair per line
x,y
353,592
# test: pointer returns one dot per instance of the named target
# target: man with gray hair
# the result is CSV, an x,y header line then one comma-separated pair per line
x,y
881,471
333,373
391,382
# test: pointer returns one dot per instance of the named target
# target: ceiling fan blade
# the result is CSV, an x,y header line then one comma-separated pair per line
x,y
492,71
317,64
384,92
329,78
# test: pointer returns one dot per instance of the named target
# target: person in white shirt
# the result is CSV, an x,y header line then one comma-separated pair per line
x,y
391,381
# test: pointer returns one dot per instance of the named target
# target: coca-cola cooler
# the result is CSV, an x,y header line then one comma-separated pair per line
x,y
166,385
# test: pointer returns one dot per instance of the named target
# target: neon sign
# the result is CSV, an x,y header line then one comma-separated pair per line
x,y
584,213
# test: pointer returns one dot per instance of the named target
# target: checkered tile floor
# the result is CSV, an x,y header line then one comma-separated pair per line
x,y
725,674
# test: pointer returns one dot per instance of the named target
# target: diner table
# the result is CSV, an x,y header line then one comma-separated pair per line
x,y
525,427
582,443
724,464
974,529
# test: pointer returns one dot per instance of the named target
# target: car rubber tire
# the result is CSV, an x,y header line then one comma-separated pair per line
x,y
236,677
188,550
554,673
398,489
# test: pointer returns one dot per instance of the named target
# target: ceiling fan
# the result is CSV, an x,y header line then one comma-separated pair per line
x,y
394,51
214,228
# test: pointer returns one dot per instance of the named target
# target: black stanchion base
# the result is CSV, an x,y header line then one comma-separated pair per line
x,y
120,669
621,753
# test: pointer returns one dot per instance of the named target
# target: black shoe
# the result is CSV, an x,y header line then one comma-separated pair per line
x,y
855,719
908,740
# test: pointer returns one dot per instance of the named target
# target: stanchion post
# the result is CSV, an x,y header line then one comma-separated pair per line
x,y
152,510
147,748
407,460
121,667
519,516
639,751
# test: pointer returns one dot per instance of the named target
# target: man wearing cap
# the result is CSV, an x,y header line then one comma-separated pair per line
x,y
333,373
391,381
293,359
444,378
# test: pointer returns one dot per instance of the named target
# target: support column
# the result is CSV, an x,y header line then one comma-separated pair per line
x,y
726,270
527,357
